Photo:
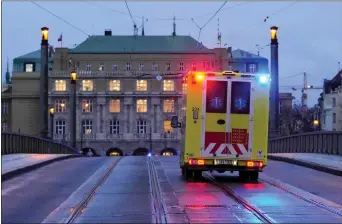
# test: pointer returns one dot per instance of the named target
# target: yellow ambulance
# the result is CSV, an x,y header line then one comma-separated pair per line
x,y
224,123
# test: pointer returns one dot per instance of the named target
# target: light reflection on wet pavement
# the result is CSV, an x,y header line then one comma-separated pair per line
x,y
275,203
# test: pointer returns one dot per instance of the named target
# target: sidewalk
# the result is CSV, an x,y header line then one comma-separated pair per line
x,y
14,164
326,163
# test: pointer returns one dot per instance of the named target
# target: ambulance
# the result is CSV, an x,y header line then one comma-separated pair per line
x,y
224,123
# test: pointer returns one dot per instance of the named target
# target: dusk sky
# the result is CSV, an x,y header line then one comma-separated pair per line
x,y
310,33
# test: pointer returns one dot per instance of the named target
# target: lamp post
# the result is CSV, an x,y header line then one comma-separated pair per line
x,y
274,90
52,113
44,83
72,106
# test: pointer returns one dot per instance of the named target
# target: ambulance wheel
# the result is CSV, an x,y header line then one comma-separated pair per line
x,y
243,175
197,174
253,176
187,173
183,171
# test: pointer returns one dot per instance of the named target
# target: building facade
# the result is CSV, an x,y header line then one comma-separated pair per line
x,y
331,107
128,88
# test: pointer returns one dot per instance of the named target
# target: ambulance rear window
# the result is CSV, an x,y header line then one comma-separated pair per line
x,y
216,100
241,92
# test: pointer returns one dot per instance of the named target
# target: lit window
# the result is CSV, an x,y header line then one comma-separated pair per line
x,y
252,68
114,106
181,66
169,85
167,127
184,87
60,85
141,85
115,68
4,126
28,67
169,106
114,85
4,108
87,106
101,67
194,66
141,126
88,67
128,66
168,66
60,127
87,127
60,106
87,85
114,127
141,67
141,106
155,66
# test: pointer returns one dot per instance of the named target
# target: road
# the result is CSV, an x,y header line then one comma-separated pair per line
x,y
31,197
126,194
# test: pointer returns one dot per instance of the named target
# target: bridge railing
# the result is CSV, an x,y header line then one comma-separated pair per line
x,y
329,142
21,143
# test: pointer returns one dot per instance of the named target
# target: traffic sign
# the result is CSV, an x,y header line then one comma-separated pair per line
x,y
174,122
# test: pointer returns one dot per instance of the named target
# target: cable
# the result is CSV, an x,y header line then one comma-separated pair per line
x,y
230,7
291,76
130,12
281,9
61,19
114,10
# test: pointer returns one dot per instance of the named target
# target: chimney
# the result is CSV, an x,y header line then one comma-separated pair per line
x,y
108,33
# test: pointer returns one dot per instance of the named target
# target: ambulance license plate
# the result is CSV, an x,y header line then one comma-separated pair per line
x,y
223,162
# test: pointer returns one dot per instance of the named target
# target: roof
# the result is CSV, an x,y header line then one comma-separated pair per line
x,y
139,44
241,54
35,55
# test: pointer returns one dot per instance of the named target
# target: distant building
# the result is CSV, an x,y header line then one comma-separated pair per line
x,y
331,106
120,102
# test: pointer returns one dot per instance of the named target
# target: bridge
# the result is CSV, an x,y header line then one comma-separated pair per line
x,y
80,189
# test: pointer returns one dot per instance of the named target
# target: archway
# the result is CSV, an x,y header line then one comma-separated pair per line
x,y
86,150
168,152
140,152
114,152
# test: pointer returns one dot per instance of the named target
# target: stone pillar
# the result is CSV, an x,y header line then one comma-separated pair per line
x,y
131,119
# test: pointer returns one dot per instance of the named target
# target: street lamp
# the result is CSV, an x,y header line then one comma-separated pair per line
x,y
274,32
44,85
72,106
52,113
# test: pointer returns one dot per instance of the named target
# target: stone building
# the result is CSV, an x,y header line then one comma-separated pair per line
x,y
128,88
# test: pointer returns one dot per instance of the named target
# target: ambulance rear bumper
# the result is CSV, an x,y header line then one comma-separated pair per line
x,y
222,168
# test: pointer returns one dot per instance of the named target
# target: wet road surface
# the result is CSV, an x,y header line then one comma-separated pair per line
x,y
31,197
322,184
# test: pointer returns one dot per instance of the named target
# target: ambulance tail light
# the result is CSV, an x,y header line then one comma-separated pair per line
x,y
198,77
255,164
196,162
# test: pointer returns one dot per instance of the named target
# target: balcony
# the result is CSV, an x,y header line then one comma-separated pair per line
x,y
114,136
65,137
87,136
168,136
105,74
141,136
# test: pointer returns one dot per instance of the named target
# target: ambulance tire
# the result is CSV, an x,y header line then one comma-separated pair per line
x,y
243,175
197,174
183,171
187,173
253,176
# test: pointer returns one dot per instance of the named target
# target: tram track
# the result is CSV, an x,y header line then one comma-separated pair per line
x,y
231,194
79,209
156,195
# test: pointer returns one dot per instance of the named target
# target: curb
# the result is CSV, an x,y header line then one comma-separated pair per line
x,y
27,169
311,165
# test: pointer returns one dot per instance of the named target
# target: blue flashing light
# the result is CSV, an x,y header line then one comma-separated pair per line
x,y
264,79
149,154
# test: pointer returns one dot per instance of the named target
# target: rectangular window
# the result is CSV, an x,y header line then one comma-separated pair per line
x,y
141,66
141,106
88,67
333,102
181,66
60,106
334,117
141,85
114,85
114,106
194,66
114,127
101,67
4,126
60,85
169,85
168,66
252,68
115,68
155,66
128,66
141,126
29,67
87,106
216,99
241,94
60,127
169,106
87,85
4,108
184,88
167,127
87,127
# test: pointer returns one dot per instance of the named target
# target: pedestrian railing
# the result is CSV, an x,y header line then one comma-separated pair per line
x,y
314,142
20,143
